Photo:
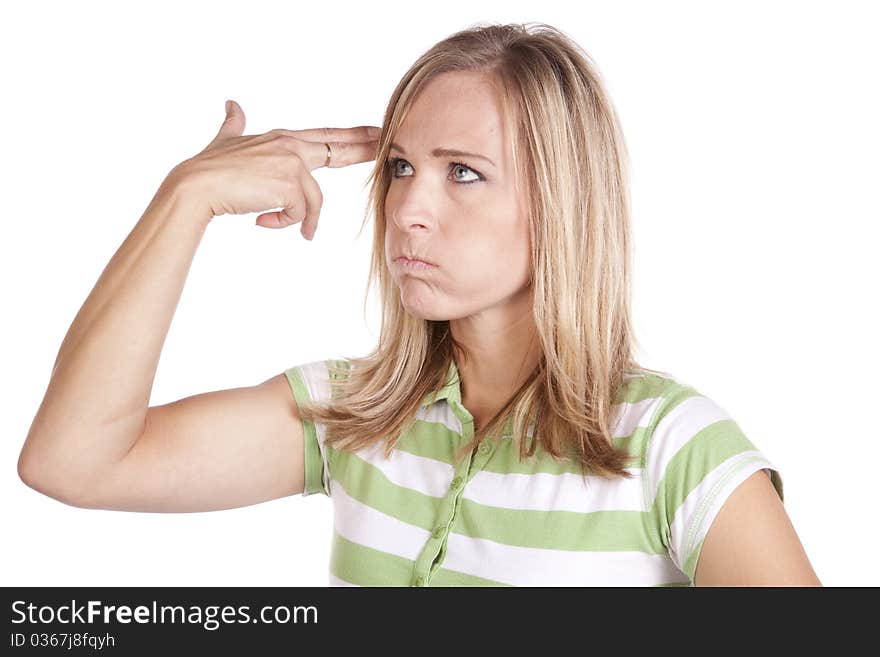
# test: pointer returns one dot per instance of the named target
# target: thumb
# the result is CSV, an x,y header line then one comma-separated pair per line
x,y
233,126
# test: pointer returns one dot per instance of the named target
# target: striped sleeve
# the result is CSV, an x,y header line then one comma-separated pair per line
x,y
311,382
696,457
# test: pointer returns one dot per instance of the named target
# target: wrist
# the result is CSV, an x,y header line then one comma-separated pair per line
x,y
180,191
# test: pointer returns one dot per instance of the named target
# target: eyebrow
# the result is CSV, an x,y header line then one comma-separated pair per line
x,y
448,152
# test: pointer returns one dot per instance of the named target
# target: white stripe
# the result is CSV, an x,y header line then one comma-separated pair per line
x,y
419,473
440,414
316,377
335,581
539,491
632,415
433,478
365,525
693,518
544,491
522,566
673,432
662,374
627,416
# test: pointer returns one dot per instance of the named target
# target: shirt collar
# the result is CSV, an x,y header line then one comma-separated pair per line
x,y
451,392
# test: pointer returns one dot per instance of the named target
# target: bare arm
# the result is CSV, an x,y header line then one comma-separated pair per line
x,y
94,440
216,450
752,542
96,401
95,443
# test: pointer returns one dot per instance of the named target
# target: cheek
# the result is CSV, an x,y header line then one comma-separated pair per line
x,y
504,247
499,265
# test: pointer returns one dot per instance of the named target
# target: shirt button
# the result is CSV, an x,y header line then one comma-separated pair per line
x,y
456,483
438,531
484,448
420,581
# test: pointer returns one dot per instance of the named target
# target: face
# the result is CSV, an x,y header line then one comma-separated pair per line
x,y
459,212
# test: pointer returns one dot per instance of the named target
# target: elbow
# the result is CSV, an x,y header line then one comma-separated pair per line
x,y
35,477
26,472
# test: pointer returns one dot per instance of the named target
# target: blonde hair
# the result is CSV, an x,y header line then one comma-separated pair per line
x,y
570,154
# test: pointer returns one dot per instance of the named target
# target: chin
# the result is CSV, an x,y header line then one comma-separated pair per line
x,y
423,313
429,312
422,307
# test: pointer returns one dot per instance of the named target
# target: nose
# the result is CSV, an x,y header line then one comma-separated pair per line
x,y
409,207
408,221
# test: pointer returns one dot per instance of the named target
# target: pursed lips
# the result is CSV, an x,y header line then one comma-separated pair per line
x,y
410,262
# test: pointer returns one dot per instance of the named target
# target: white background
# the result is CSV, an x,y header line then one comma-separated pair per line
x,y
752,128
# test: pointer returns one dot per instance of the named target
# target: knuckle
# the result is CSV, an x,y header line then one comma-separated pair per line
x,y
295,211
296,165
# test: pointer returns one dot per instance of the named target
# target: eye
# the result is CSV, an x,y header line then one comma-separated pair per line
x,y
394,161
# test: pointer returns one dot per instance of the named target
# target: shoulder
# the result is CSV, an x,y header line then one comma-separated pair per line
x,y
666,407
315,378
644,398
687,438
694,456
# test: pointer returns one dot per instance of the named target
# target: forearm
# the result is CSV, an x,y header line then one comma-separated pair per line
x,y
99,391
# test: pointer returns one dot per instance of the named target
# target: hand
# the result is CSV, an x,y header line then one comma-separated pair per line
x,y
238,174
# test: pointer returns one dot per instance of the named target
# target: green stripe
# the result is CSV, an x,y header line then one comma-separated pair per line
x,y
444,577
672,584
692,552
645,387
312,463
368,485
432,440
365,566
675,397
690,565
506,458
560,530
709,448
596,531
612,531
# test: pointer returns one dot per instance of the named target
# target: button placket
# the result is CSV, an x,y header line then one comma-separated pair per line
x,y
427,562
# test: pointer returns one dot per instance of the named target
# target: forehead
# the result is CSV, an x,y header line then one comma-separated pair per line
x,y
458,110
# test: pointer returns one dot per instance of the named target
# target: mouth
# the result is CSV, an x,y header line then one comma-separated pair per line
x,y
413,263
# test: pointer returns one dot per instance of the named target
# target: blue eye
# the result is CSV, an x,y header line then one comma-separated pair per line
x,y
393,162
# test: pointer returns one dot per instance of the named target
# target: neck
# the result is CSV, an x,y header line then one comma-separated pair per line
x,y
499,354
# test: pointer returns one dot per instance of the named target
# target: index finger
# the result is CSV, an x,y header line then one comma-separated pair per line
x,y
360,133
342,153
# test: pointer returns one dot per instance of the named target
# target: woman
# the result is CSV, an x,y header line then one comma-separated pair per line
x,y
501,432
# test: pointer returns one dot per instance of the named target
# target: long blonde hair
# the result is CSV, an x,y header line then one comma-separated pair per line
x,y
570,153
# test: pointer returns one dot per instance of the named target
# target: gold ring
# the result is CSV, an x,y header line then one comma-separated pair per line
x,y
329,153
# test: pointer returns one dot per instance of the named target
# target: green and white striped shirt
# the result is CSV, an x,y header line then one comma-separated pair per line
x,y
414,520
